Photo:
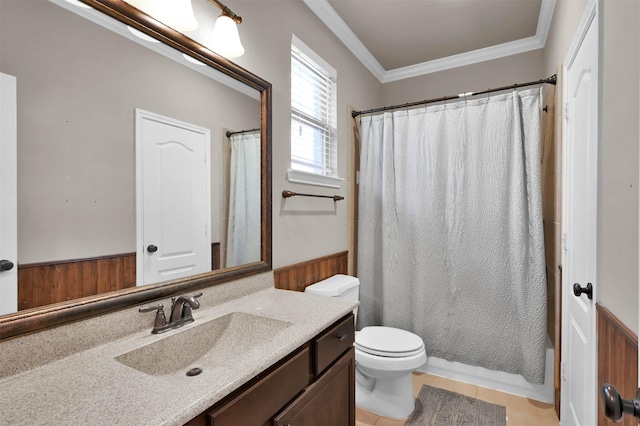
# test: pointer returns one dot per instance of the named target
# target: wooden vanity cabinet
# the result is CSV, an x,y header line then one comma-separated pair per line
x,y
314,385
328,401
257,404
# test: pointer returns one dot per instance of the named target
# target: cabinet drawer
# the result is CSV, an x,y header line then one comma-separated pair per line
x,y
259,403
330,345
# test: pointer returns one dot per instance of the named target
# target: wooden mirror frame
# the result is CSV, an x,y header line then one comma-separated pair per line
x,y
35,319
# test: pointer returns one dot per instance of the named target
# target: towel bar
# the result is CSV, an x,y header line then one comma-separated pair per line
x,y
287,194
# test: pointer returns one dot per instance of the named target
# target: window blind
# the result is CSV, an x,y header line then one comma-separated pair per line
x,y
313,115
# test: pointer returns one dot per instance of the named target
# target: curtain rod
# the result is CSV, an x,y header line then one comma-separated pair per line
x,y
229,134
550,80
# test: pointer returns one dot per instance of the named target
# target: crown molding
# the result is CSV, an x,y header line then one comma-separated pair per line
x,y
462,59
544,20
331,19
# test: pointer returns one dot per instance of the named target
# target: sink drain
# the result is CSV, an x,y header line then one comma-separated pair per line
x,y
194,372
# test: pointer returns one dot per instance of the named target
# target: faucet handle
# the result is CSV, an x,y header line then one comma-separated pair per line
x,y
159,307
160,321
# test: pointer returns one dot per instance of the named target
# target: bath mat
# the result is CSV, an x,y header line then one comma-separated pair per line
x,y
439,407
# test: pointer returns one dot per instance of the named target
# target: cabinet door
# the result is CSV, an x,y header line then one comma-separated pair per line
x,y
328,401
257,405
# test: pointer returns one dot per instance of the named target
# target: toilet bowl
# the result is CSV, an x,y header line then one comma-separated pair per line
x,y
385,357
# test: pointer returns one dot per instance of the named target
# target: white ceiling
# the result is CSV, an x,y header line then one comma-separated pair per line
x,y
398,39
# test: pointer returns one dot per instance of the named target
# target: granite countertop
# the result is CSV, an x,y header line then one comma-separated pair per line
x,y
92,387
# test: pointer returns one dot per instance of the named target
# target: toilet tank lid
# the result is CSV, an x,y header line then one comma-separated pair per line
x,y
333,286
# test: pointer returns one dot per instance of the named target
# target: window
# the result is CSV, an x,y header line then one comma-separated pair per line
x,y
313,113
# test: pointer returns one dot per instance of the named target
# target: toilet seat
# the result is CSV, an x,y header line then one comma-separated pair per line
x,y
388,342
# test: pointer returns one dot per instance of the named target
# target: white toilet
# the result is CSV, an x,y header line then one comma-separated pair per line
x,y
385,357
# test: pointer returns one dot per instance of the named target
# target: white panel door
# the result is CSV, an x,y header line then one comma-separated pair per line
x,y
8,196
579,393
173,198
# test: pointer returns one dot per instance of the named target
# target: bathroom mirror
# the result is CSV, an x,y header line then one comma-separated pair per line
x,y
77,168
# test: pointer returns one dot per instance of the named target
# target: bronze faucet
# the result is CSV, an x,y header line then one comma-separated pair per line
x,y
180,313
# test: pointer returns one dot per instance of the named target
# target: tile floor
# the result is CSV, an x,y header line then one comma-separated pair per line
x,y
520,411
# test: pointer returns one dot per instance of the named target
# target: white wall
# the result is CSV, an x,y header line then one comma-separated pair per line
x,y
566,17
619,160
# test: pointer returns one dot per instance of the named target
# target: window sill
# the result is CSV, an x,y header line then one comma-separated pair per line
x,y
306,178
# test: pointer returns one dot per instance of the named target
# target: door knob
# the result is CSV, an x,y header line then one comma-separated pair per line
x,y
6,265
588,290
152,249
614,406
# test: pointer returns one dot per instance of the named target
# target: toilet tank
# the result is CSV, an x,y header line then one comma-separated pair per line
x,y
343,286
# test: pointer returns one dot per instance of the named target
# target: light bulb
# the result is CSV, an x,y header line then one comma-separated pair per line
x,y
177,14
226,41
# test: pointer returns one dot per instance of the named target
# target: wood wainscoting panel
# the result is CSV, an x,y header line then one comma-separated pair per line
x,y
297,277
42,284
215,256
617,360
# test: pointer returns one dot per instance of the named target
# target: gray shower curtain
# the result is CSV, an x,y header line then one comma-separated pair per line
x,y
450,240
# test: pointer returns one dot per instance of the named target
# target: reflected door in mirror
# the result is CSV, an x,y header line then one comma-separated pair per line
x,y
8,196
173,198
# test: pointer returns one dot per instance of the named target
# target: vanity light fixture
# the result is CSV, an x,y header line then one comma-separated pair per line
x,y
177,14
180,12
225,39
